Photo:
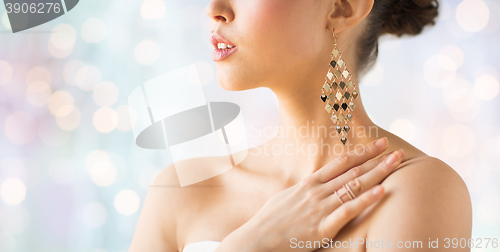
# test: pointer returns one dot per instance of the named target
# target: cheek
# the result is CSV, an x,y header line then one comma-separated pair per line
x,y
281,31
276,38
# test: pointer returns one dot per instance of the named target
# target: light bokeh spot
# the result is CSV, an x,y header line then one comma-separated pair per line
x,y
63,36
59,53
486,87
494,20
69,121
71,69
105,120
95,157
127,202
93,30
88,77
38,93
440,70
153,9
454,53
472,15
13,191
38,74
5,21
459,99
103,173
61,103
147,52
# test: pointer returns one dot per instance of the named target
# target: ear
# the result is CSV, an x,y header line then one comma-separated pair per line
x,y
345,14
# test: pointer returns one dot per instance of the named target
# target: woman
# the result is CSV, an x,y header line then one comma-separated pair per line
x,y
281,202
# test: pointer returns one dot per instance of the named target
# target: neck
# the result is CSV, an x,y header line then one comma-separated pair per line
x,y
307,138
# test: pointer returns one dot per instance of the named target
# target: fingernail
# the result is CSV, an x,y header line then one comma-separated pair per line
x,y
392,158
377,190
381,142
402,152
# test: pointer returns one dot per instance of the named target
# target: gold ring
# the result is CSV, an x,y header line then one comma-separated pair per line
x,y
338,197
349,190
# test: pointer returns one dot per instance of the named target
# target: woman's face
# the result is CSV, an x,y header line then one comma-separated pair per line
x,y
278,41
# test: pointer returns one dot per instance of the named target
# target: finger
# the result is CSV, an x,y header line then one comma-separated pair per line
x,y
336,183
358,185
379,173
353,158
338,218
355,172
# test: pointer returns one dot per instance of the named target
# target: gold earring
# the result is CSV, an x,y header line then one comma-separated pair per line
x,y
339,93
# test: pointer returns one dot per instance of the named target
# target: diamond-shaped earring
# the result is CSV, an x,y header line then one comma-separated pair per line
x,y
346,93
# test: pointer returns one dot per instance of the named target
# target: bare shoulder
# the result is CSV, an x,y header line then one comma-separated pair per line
x,y
425,198
156,225
426,170
169,202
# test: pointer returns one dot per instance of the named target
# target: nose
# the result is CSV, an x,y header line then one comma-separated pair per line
x,y
220,10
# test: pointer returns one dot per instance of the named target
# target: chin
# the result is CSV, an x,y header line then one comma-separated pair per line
x,y
232,83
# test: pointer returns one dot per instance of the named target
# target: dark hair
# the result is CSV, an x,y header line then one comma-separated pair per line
x,y
397,17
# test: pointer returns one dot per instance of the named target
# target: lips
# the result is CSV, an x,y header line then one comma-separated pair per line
x,y
217,38
221,54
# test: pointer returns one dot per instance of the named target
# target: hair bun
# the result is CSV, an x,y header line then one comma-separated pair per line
x,y
410,16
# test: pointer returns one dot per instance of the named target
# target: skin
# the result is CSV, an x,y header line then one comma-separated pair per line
x,y
285,45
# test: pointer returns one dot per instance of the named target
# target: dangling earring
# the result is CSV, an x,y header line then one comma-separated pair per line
x,y
339,93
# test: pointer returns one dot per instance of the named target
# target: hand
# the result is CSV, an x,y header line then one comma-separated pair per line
x,y
310,210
